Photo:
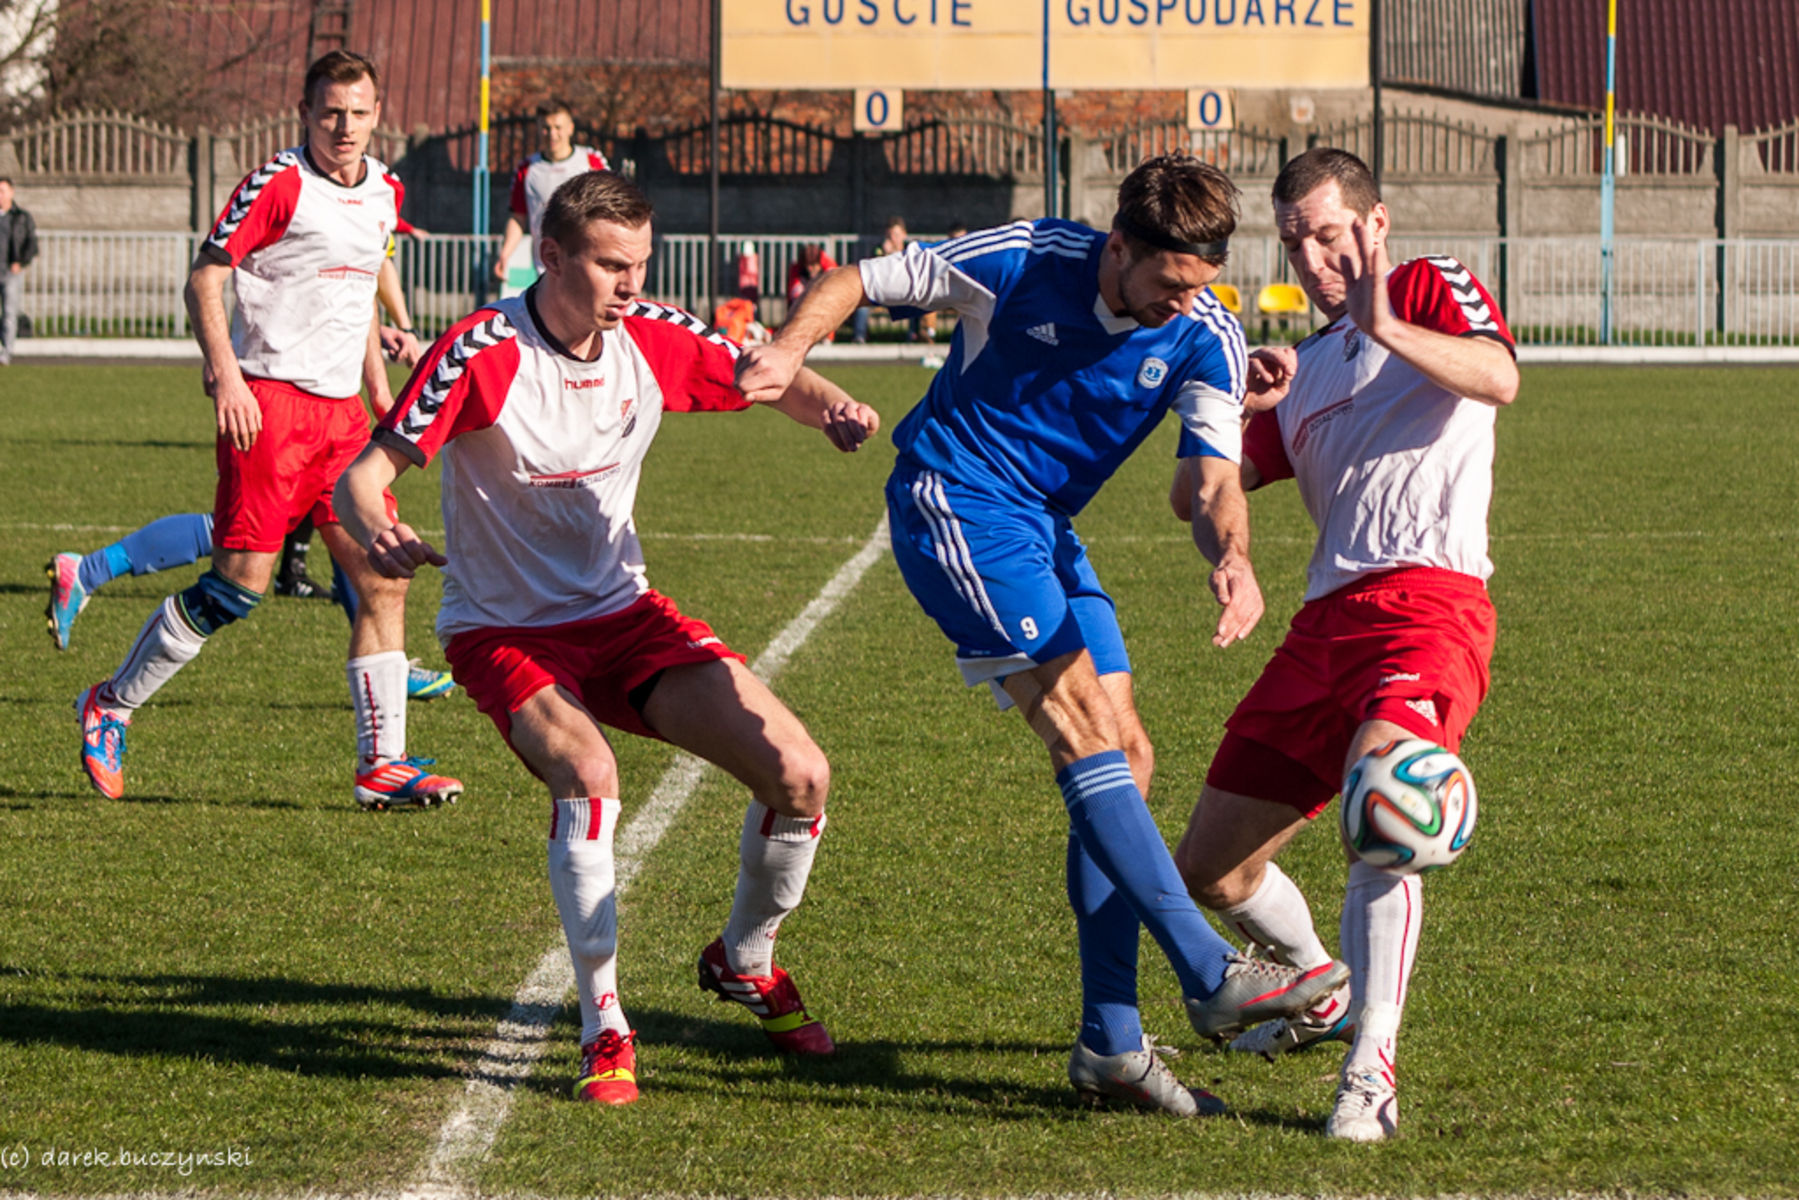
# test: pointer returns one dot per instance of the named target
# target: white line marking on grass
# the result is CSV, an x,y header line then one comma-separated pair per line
x,y
784,539
523,1033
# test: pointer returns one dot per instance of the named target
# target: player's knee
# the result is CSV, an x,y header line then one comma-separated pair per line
x,y
805,779
592,774
1203,880
215,602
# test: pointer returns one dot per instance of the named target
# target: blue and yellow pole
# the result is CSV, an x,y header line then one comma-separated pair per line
x,y
1608,179
482,198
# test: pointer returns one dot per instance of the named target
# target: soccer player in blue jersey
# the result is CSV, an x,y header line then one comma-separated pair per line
x,y
1071,345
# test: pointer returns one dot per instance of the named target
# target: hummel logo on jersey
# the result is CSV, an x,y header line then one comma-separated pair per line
x,y
1400,677
576,385
1045,333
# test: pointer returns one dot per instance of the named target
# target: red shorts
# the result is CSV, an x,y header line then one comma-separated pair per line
x,y
600,662
1410,646
305,444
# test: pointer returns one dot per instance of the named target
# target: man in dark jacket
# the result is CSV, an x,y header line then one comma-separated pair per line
x,y
18,240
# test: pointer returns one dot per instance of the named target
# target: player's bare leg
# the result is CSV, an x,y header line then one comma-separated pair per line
x,y
1382,913
376,673
1226,858
564,745
721,712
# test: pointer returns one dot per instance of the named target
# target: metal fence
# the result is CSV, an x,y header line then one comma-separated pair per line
x,y
1666,291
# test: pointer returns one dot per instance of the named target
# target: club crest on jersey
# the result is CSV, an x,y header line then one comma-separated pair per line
x,y
1152,373
627,416
1352,343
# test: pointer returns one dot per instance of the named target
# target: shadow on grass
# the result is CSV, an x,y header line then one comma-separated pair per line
x,y
363,1030
123,443
9,793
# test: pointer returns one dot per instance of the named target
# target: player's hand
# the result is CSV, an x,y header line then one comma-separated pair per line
x,y
397,552
849,423
1271,372
401,346
499,270
765,372
239,416
209,383
1365,276
1234,584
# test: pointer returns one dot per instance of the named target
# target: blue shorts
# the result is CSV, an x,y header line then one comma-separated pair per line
x,y
1009,585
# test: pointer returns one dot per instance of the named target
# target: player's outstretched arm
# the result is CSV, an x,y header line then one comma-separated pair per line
x,y
1186,481
1220,521
515,233
764,373
815,401
374,369
360,502
239,416
1476,367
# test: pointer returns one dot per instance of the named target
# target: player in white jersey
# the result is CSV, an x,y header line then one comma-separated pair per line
x,y
303,239
543,406
1385,419
537,178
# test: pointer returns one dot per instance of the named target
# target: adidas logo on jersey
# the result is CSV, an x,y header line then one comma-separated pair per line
x,y
1045,333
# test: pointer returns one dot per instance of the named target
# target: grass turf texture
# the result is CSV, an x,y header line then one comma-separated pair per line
x,y
233,956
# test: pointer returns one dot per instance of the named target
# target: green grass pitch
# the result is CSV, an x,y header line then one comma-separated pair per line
x,y
234,958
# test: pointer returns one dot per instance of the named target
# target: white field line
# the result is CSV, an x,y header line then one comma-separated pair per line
x,y
523,1033
786,539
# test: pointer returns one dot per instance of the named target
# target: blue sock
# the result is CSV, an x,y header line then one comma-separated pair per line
x,y
1109,816
1108,932
343,593
168,542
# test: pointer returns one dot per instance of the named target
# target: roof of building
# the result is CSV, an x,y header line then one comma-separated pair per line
x,y
1706,63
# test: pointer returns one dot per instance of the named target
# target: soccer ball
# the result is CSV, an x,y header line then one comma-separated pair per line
x,y
1408,807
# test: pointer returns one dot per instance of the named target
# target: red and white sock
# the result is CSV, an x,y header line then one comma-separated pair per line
x,y
774,855
1382,914
582,879
1278,919
378,693
164,645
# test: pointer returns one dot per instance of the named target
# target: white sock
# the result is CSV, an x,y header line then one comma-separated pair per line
x,y
581,878
775,856
378,692
1382,914
1278,919
164,645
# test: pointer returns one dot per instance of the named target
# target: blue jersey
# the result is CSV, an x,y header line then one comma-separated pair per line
x,y
1044,392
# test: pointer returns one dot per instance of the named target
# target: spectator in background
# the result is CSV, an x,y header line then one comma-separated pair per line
x,y
557,161
18,235
805,270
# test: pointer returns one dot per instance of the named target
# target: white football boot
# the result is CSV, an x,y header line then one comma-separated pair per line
x,y
1326,1022
1139,1078
1367,1107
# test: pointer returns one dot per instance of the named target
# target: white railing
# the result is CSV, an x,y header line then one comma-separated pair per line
x,y
1666,291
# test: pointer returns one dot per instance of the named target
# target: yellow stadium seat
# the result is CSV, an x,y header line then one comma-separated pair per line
x,y
1227,296
1282,302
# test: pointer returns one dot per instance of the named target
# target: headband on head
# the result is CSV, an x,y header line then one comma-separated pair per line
x,y
1162,241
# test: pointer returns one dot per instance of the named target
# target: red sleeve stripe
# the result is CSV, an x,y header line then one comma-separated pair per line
x,y
1467,293
684,319
245,197
461,351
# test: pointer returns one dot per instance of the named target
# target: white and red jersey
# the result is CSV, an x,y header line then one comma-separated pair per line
x,y
542,453
537,179
1395,470
307,251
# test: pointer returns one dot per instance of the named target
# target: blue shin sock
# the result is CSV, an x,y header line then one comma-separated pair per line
x,y
1109,816
342,592
1108,932
168,542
